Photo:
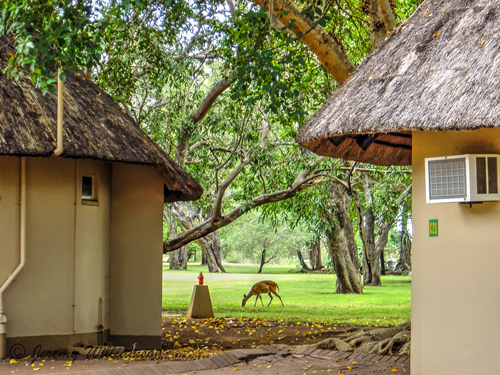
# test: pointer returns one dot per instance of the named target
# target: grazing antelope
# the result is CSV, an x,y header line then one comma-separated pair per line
x,y
266,286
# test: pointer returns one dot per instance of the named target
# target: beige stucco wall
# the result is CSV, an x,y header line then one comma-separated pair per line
x,y
76,257
9,215
38,288
40,300
136,251
92,249
455,292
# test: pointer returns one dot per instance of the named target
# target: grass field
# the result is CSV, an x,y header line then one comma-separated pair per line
x,y
307,297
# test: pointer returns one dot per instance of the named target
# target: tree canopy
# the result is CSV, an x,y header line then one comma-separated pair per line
x,y
223,87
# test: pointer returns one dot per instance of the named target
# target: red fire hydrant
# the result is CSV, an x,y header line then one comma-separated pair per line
x,y
200,279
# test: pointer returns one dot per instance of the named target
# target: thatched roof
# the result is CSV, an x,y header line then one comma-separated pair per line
x,y
95,127
440,70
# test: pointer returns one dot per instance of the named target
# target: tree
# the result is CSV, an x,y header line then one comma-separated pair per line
x,y
341,242
374,243
201,76
245,240
404,260
315,253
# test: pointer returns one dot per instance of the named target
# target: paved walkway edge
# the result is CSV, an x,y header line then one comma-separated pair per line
x,y
235,356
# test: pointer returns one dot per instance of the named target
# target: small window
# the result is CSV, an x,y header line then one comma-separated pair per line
x,y
89,189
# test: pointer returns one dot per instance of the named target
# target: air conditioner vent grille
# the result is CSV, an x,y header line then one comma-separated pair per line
x,y
447,178
481,175
492,176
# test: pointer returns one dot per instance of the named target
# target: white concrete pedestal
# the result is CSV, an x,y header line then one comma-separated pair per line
x,y
201,304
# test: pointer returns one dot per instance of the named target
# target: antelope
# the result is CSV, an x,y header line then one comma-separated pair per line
x,y
266,286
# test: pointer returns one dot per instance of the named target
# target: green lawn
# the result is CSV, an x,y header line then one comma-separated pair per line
x,y
307,297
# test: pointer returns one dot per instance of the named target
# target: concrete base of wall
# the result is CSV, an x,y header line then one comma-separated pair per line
x,y
19,347
201,304
141,342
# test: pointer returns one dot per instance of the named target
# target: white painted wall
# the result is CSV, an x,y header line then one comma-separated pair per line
x,y
455,286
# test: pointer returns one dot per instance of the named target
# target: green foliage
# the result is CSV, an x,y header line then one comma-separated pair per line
x,y
244,241
163,58
57,34
307,297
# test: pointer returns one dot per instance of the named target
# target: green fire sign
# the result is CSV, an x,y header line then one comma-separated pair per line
x,y
433,228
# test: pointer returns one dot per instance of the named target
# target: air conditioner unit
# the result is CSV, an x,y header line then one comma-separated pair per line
x,y
462,178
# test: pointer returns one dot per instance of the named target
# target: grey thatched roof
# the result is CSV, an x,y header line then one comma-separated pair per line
x,y
95,127
440,70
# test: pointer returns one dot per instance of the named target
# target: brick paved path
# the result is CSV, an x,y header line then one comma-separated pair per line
x,y
268,360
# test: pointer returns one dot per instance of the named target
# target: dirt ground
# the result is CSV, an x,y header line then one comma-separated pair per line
x,y
235,333
193,339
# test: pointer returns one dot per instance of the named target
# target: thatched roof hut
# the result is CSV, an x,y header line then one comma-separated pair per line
x,y
95,127
440,70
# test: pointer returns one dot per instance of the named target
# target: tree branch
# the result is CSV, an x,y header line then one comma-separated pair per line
x,y
211,225
210,98
320,42
387,15
225,184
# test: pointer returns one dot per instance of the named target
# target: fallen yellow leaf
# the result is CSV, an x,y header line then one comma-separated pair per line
x,y
436,34
394,370
482,42
13,361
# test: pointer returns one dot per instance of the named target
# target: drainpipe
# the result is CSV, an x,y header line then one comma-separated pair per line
x,y
60,88
22,259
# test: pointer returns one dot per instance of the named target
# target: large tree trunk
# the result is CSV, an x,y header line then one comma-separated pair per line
x,y
378,30
371,250
173,258
374,247
183,257
315,254
302,263
212,252
217,250
206,248
204,260
341,243
404,261
382,239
